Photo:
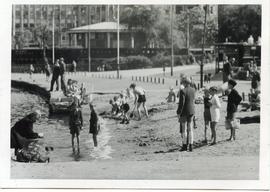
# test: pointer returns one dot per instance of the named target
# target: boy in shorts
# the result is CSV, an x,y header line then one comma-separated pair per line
x,y
140,98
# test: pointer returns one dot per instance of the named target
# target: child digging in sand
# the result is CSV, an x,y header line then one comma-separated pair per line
x,y
172,96
124,108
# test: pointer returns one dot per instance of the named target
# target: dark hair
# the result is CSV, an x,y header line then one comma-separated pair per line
x,y
133,85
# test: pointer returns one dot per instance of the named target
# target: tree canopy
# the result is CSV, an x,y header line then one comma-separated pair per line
x,y
238,22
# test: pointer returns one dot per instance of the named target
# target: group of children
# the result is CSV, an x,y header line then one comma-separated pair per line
x,y
120,104
76,124
212,107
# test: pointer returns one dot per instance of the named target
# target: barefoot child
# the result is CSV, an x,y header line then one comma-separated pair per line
x,y
94,127
215,112
207,114
75,124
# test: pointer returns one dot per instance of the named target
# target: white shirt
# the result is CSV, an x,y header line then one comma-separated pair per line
x,y
215,108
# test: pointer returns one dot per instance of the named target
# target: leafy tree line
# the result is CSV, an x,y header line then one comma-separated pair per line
x,y
238,22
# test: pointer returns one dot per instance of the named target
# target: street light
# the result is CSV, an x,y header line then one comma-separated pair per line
x,y
118,43
205,7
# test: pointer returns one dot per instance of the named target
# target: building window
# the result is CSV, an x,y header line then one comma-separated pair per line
x,y
63,37
18,25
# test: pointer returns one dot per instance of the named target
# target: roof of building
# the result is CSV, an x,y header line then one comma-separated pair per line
x,y
99,27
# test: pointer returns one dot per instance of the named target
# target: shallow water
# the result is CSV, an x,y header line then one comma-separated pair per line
x,y
56,130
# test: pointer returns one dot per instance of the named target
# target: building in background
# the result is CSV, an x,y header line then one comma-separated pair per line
x,y
26,18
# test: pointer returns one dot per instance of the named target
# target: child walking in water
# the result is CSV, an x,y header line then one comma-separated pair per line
x,y
207,114
75,123
215,113
94,127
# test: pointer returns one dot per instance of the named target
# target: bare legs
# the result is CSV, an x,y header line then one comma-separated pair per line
x,y
95,140
78,143
145,109
213,130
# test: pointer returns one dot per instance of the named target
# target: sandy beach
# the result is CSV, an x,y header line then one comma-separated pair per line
x,y
146,149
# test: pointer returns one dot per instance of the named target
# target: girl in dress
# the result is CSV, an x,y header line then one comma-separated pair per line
x,y
215,112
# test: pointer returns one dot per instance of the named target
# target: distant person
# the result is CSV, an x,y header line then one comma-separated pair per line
x,y
75,124
227,70
185,112
215,106
206,113
55,76
62,74
255,80
172,96
140,99
74,66
250,40
23,131
94,125
234,100
47,71
259,40
31,70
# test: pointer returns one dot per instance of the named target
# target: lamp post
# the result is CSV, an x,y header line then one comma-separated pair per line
x,y
53,53
205,7
118,43
172,54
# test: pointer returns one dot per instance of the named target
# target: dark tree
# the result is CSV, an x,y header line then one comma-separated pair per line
x,y
238,22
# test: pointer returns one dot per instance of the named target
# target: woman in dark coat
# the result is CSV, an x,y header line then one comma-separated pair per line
x,y
94,127
234,100
22,132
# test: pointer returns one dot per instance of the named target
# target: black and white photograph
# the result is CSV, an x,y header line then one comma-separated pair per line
x,y
134,91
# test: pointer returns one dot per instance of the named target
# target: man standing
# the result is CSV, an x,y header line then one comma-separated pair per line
x,y
62,74
227,70
55,76
185,112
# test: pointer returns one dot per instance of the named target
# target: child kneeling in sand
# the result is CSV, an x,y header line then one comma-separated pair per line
x,y
94,125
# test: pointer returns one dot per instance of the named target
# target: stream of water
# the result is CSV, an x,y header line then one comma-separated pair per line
x,y
56,130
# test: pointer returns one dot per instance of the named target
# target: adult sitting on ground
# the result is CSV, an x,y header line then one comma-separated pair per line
x,y
185,112
22,132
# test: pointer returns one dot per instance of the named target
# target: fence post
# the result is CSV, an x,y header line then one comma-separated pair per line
x,y
147,79
158,80
132,78
155,80
151,79
198,86
136,78
140,78
176,82
243,96
249,97
163,81
143,78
